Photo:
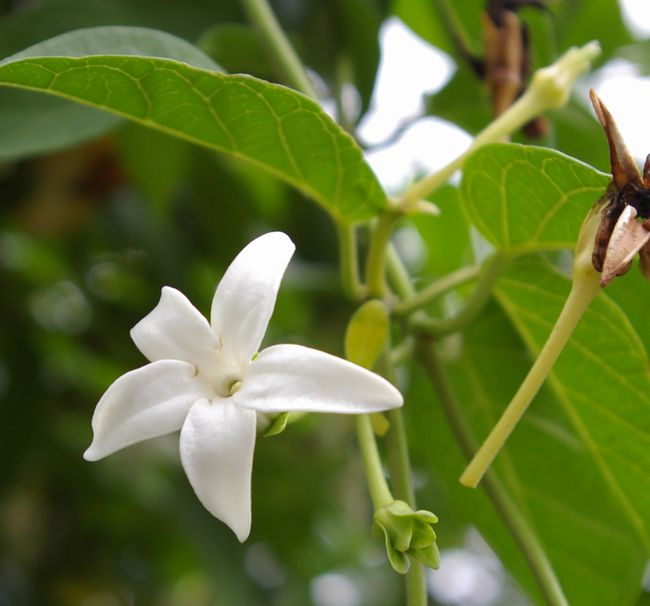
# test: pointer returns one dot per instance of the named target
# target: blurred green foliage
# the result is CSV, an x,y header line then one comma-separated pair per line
x,y
94,226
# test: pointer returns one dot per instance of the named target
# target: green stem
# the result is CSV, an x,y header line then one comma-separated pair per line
x,y
403,351
376,262
416,585
379,491
549,88
584,289
398,458
517,524
518,114
344,76
398,276
436,289
261,15
473,305
349,261
399,466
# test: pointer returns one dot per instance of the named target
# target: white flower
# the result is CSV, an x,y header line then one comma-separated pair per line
x,y
204,380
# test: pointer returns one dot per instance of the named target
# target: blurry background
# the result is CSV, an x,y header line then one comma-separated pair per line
x,y
97,215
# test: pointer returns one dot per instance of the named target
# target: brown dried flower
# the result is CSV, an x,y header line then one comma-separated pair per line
x,y
625,225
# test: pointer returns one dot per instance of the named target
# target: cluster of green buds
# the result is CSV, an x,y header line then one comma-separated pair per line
x,y
408,535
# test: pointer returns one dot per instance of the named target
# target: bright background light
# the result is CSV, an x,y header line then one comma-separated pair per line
x,y
424,145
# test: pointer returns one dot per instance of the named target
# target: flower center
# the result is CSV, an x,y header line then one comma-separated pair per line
x,y
224,375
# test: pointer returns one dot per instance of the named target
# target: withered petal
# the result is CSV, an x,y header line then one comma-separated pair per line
x,y
624,168
628,237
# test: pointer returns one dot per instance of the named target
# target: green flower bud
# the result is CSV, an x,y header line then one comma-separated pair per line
x,y
408,535
367,334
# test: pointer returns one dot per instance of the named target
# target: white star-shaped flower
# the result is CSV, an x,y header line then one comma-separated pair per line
x,y
206,380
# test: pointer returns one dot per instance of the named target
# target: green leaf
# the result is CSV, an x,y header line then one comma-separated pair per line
x,y
601,379
33,124
367,333
446,236
546,468
117,40
524,199
269,126
278,425
632,293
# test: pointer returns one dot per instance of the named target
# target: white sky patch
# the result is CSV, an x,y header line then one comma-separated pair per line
x,y
409,68
636,14
424,147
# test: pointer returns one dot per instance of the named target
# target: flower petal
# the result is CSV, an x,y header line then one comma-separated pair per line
x,y
244,300
217,444
628,237
295,378
624,168
144,403
175,330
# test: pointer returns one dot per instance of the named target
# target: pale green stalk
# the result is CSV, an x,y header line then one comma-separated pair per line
x,y
436,289
473,306
582,294
262,17
379,491
585,286
349,261
376,261
400,473
519,527
549,89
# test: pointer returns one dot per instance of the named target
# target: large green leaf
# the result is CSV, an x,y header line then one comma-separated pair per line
x,y
524,199
601,379
267,125
632,294
34,124
547,469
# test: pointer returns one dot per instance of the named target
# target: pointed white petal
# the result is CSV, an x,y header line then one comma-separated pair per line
x,y
628,237
244,300
144,403
217,444
175,330
295,378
